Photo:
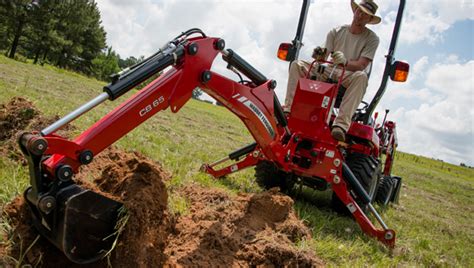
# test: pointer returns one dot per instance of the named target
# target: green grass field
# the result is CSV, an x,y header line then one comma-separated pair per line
x,y
434,219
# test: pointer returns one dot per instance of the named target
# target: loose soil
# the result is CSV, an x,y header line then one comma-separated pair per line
x,y
218,230
20,115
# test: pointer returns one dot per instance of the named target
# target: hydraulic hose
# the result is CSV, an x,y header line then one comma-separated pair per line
x,y
280,115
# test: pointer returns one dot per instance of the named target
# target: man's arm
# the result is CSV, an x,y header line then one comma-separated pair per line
x,y
366,56
358,65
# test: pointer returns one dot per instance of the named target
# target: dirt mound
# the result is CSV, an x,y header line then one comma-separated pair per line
x,y
247,230
139,183
17,116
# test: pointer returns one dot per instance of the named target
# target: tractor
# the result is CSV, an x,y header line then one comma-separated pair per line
x,y
294,148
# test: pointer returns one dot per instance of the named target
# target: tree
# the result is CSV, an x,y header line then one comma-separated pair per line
x,y
15,14
66,33
40,34
124,63
78,23
105,65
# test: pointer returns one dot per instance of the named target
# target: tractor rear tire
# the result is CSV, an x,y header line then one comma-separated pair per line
x,y
367,170
385,191
268,175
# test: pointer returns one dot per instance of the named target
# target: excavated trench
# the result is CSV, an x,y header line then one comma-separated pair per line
x,y
218,229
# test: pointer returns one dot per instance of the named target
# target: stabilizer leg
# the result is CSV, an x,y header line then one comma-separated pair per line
x,y
385,235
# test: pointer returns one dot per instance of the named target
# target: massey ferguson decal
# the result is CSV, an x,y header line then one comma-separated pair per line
x,y
257,112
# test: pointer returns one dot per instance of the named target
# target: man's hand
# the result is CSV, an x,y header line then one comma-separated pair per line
x,y
319,53
338,58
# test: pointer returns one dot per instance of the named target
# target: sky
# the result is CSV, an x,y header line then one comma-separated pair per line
x,y
433,110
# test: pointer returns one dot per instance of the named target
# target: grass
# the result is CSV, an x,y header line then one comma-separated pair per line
x,y
122,221
433,220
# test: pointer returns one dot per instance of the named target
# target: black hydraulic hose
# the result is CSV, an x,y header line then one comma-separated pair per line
x,y
355,184
141,73
244,67
280,115
190,32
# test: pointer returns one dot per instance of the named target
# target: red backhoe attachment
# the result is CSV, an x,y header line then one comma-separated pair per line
x,y
299,147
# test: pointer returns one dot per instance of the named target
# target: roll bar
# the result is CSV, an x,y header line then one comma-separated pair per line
x,y
388,64
297,43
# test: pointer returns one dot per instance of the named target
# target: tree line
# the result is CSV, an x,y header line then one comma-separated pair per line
x,y
64,33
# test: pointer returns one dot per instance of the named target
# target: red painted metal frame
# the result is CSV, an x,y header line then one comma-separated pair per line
x,y
364,223
250,159
253,105
368,134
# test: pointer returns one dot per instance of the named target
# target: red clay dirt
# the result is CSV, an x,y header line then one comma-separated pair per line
x,y
238,231
218,230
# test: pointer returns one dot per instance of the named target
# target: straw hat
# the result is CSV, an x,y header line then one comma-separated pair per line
x,y
369,7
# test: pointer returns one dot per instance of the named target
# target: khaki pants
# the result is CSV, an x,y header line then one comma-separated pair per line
x,y
354,82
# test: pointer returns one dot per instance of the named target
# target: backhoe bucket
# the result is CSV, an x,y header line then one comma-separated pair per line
x,y
82,224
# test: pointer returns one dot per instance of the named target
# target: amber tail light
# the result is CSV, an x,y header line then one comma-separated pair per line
x,y
399,71
283,51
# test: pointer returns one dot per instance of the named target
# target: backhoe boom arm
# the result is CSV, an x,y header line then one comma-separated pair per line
x,y
172,89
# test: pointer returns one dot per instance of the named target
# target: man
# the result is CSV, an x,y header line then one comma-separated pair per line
x,y
354,47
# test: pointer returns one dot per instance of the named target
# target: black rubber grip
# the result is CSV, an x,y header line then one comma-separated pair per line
x,y
242,151
355,184
244,67
280,115
140,74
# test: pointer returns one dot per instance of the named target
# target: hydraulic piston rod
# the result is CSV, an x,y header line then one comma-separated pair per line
x,y
75,114
377,216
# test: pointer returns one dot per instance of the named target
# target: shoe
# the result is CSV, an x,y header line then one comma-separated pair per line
x,y
338,133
